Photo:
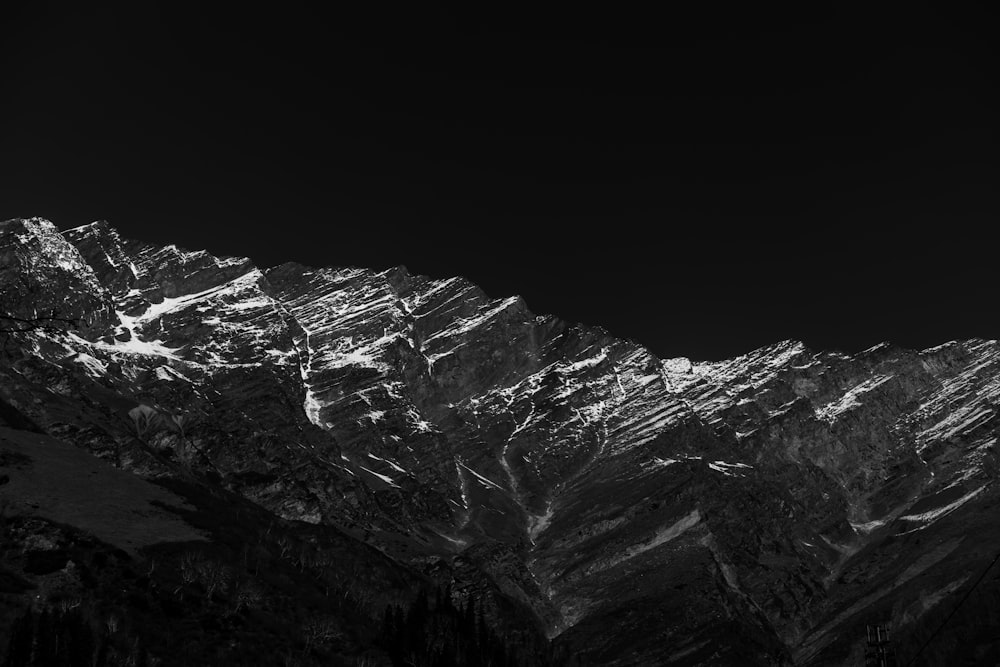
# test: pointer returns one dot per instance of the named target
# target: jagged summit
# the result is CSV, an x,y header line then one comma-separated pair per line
x,y
755,510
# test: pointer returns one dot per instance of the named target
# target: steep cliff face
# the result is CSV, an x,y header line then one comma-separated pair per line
x,y
34,258
759,510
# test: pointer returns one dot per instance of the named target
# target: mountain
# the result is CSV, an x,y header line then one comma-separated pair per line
x,y
405,470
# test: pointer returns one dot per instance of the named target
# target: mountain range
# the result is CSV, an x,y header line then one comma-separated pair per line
x,y
206,461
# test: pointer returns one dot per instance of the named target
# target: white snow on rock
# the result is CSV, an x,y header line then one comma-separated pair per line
x,y
929,517
482,480
464,325
395,466
728,468
852,399
385,478
94,367
135,345
586,363
868,526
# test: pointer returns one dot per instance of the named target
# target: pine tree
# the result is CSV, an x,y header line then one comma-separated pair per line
x,y
482,632
21,640
449,606
103,653
46,641
388,624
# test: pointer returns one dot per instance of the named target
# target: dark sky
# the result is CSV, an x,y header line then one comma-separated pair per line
x,y
702,182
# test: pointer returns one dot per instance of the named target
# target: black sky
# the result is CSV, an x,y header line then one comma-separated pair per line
x,y
704,182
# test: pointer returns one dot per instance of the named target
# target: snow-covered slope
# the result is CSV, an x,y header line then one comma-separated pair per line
x,y
758,509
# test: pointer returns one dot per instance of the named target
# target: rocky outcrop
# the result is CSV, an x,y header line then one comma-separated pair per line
x,y
759,510
43,276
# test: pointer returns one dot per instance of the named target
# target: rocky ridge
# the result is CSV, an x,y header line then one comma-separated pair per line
x,y
759,510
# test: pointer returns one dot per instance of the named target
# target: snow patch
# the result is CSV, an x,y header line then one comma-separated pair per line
x,y
419,423
93,367
537,523
728,468
851,399
927,518
395,466
868,527
135,345
464,325
486,482
385,478
586,363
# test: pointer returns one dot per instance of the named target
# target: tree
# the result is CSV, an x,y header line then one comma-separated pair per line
x,y
14,324
246,593
320,630
212,574
22,637
182,422
50,323
52,637
215,576
145,418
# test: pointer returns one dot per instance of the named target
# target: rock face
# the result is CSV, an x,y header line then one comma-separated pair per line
x,y
41,275
635,510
